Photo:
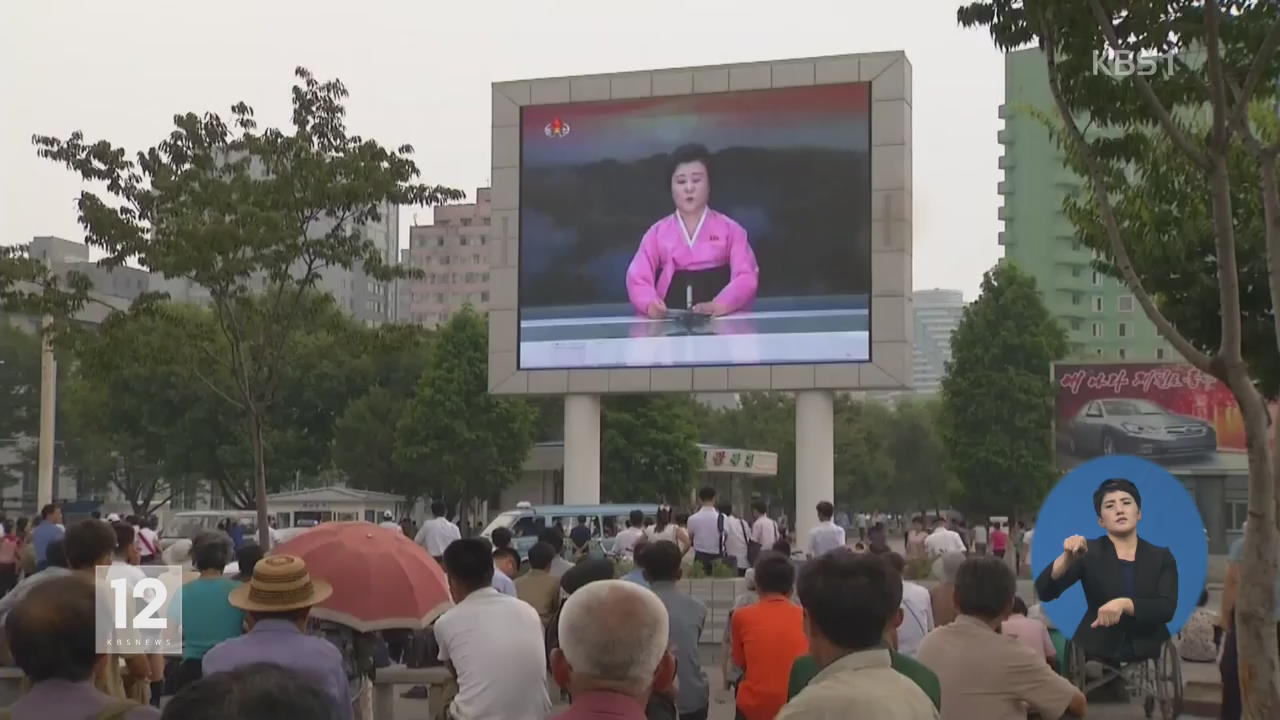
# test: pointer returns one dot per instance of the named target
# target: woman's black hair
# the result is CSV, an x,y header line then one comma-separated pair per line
x,y
1114,485
662,519
693,152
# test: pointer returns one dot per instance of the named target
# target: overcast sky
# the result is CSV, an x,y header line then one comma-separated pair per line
x,y
419,72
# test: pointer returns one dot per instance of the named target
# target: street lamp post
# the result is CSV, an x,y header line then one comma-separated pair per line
x,y
48,406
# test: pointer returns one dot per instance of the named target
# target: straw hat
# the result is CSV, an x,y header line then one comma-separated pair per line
x,y
280,583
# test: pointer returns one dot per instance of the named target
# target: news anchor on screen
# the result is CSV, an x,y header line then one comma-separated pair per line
x,y
695,259
1130,585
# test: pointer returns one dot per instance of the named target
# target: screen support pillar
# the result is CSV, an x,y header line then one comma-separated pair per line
x,y
581,449
815,459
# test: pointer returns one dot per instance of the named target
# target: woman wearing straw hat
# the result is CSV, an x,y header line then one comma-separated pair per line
x,y
278,601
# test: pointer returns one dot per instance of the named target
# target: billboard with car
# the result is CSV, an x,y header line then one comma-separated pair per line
x,y
1170,413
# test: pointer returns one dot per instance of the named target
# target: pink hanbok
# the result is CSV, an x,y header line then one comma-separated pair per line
x,y
667,248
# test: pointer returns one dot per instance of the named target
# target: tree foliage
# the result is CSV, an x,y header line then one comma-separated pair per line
x,y
19,381
997,396
649,448
365,439
1202,114
467,443
238,210
922,478
864,472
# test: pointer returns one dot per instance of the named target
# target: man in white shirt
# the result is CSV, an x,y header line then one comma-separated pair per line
x,y
917,611
437,533
491,643
980,539
736,533
764,530
389,522
943,540
705,530
625,542
826,535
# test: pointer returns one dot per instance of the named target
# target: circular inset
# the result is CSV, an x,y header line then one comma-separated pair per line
x,y
1112,606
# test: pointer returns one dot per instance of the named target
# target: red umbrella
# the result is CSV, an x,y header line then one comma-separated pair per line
x,y
381,579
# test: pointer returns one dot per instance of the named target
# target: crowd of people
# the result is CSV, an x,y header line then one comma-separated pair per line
x,y
835,625
832,626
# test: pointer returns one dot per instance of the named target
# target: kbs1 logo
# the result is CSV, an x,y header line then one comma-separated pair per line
x,y
1127,63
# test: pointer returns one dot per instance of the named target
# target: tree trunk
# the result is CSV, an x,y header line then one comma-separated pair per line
x,y
1255,626
260,478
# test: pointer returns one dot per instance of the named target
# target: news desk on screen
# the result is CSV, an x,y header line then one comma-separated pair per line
x,y
774,330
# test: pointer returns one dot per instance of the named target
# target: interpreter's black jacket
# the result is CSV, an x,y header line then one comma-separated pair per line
x,y
1155,598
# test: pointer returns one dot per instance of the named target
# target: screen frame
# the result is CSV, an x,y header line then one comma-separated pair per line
x,y
891,336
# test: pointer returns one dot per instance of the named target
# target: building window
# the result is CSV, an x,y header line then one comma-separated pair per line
x,y
483,239
466,221
444,260
1097,278
439,297
484,221
1159,353
475,259
1098,352
1097,304
439,242
463,241
1097,330
484,277
1075,323
1124,303
1075,271
1075,298
1122,330
1122,353
1237,513
484,296
455,277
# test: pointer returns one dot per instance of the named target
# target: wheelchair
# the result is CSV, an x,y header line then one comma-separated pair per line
x,y
1157,680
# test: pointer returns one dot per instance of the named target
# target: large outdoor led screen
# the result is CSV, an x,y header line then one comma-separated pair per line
x,y
717,229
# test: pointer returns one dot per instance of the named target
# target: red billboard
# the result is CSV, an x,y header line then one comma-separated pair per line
x,y
1170,413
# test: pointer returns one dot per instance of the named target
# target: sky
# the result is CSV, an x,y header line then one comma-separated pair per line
x,y
420,73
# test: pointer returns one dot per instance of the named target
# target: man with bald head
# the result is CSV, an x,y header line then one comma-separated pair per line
x,y
613,651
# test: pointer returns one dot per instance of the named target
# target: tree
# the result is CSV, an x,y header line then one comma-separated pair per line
x,y
124,404
1225,57
19,381
237,210
364,445
761,421
467,443
997,396
649,448
919,457
864,477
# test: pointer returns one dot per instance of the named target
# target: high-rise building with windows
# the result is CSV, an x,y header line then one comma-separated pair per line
x,y
453,254
937,315
1102,319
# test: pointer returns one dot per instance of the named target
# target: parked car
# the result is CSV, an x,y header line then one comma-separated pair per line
x,y
1136,426
527,520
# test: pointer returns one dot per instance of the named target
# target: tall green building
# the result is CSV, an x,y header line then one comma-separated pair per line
x,y
1101,316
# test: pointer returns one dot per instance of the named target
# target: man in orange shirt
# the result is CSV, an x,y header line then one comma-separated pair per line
x,y
767,638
